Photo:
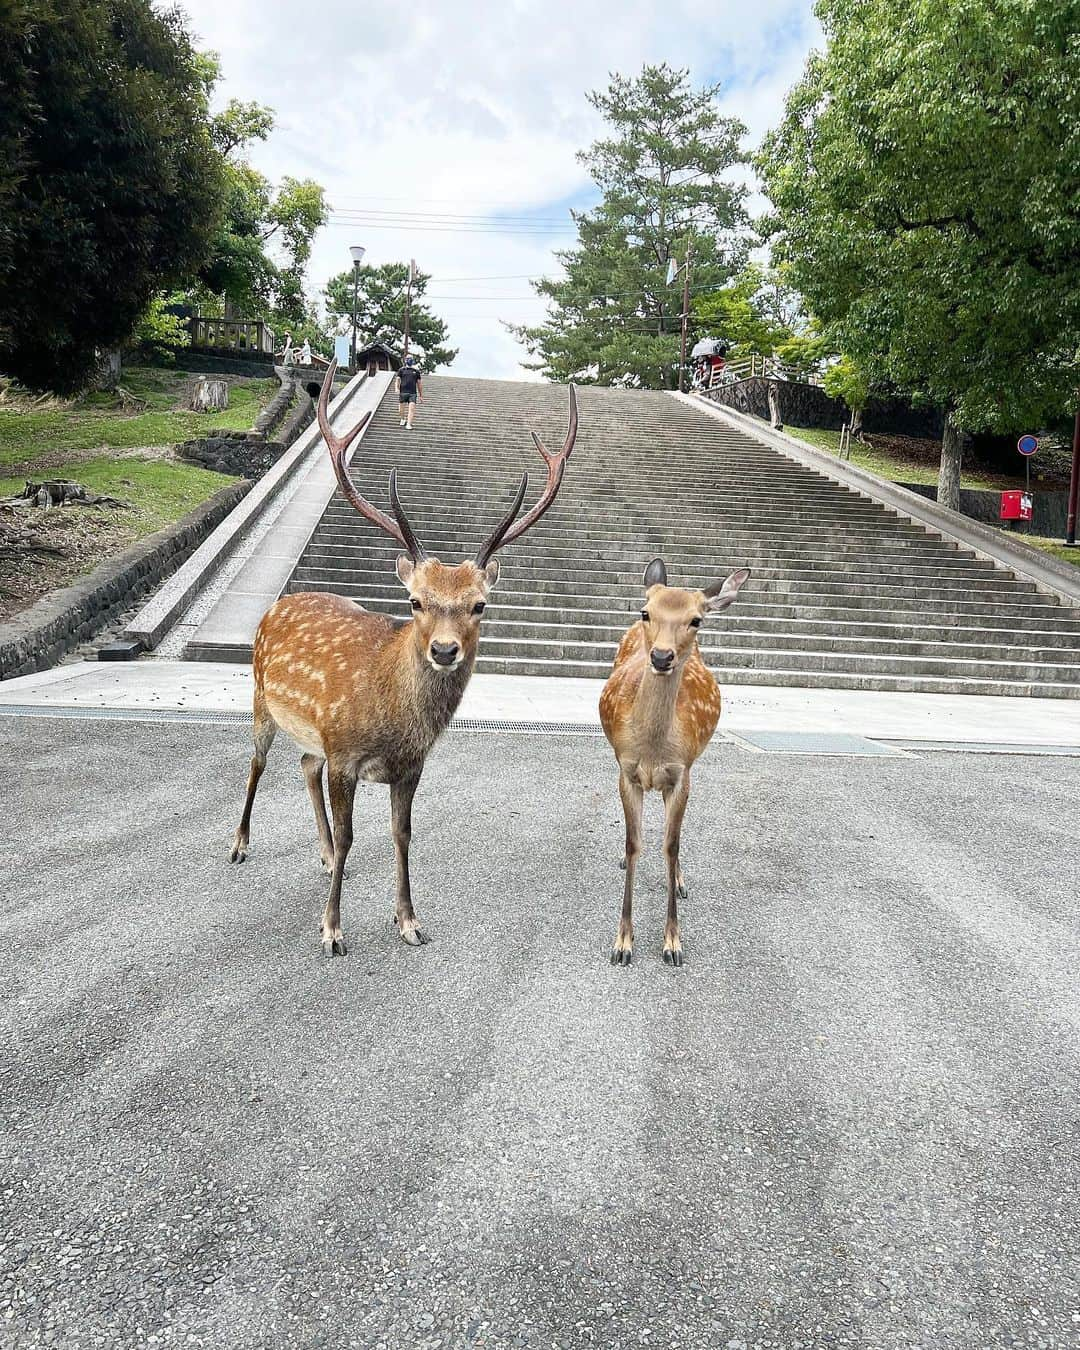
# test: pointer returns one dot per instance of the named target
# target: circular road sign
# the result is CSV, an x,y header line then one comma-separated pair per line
x,y
1027,445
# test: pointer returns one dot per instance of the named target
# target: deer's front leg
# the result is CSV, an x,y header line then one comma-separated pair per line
x,y
401,799
632,797
342,793
675,799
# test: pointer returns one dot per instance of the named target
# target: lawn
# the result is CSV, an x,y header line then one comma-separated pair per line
x,y
99,422
72,440
885,456
1054,547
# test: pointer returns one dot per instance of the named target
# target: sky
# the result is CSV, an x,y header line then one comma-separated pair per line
x,y
449,132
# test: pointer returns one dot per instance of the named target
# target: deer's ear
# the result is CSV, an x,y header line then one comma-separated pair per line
x,y
405,568
720,594
491,572
655,574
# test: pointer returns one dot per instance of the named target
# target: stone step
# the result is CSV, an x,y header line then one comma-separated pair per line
x,y
1024,631
844,593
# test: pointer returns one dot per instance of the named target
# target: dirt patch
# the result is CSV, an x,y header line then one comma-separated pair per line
x,y
915,449
54,548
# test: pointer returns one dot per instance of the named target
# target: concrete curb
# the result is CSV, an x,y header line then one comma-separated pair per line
x,y
154,620
58,622
1049,575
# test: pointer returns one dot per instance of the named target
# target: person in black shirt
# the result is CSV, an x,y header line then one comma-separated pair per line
x,y
409,391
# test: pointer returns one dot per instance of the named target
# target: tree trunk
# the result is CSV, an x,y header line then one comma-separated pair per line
x,y
107,375
952,452
209,395
774,407
856,423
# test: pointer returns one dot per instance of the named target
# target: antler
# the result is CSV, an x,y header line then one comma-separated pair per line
x,y
556,466
399,528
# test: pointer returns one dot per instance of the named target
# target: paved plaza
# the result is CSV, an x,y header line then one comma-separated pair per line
x,y
850,1120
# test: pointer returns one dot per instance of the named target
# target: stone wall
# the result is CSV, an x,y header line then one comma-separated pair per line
x,y
54,625
808,405
1048,509
249,454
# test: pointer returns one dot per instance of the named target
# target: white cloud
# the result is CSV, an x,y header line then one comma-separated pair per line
x,y
469,109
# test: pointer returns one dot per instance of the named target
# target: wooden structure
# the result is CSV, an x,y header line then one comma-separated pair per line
x,y
377,356
232,335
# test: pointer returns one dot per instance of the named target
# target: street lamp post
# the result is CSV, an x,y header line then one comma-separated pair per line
x,y
357,251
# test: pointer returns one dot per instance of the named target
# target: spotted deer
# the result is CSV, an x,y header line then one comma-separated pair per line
x,y
659,709
366,696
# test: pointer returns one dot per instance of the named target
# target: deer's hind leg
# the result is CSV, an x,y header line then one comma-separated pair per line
x,y
313,766
263,730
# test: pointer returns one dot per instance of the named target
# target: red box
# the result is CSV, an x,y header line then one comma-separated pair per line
x,y
1015,506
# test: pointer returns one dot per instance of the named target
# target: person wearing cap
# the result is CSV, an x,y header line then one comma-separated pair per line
x,y
409,391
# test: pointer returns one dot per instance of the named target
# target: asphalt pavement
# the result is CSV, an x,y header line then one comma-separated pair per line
x,y
852,1118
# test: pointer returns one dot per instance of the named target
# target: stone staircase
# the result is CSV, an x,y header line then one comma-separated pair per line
x,y
844,594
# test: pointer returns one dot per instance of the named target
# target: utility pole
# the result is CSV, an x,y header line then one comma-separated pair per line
x,y
408,301
1074,486
685,311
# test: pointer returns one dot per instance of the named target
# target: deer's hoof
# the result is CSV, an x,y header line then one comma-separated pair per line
x,y
415,937
681,891
238,853
622,863
621,956
673,956
334,946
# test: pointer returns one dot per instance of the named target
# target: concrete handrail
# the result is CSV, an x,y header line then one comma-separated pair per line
x,y
155,619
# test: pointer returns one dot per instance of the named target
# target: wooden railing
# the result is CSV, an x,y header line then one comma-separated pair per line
x,y
232,335
768,368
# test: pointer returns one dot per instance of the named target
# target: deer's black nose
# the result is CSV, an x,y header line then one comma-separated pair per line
x,y
444,653
662,658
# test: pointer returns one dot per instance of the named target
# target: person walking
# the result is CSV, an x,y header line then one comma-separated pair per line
x,y
410,391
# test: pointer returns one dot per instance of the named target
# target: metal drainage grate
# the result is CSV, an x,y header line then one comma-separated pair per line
x,y
241,718
528,728
812,743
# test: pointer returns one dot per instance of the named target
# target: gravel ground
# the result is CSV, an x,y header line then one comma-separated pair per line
x,y
850,1120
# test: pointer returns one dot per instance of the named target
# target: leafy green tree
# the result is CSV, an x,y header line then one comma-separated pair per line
x,y
613,318
381,311
746,312
926,185
110,185
848,379
158,332
259,221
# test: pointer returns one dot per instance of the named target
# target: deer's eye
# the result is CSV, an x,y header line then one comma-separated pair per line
x,y
479,607
416,604
645,615
695,623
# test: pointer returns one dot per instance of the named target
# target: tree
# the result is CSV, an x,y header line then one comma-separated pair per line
x,y
749,312
848,379
614,319
109,183
259,219
926,186
381,311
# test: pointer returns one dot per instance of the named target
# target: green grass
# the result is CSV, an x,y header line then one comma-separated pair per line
x,y
158,491
97,422
896,468
1054,547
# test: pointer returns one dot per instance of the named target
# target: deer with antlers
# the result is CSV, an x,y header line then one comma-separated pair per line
x,y
659,709
365,696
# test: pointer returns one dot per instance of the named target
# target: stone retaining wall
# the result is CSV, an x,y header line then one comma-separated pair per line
x,y
242,454
1048,509
808,405
54,625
